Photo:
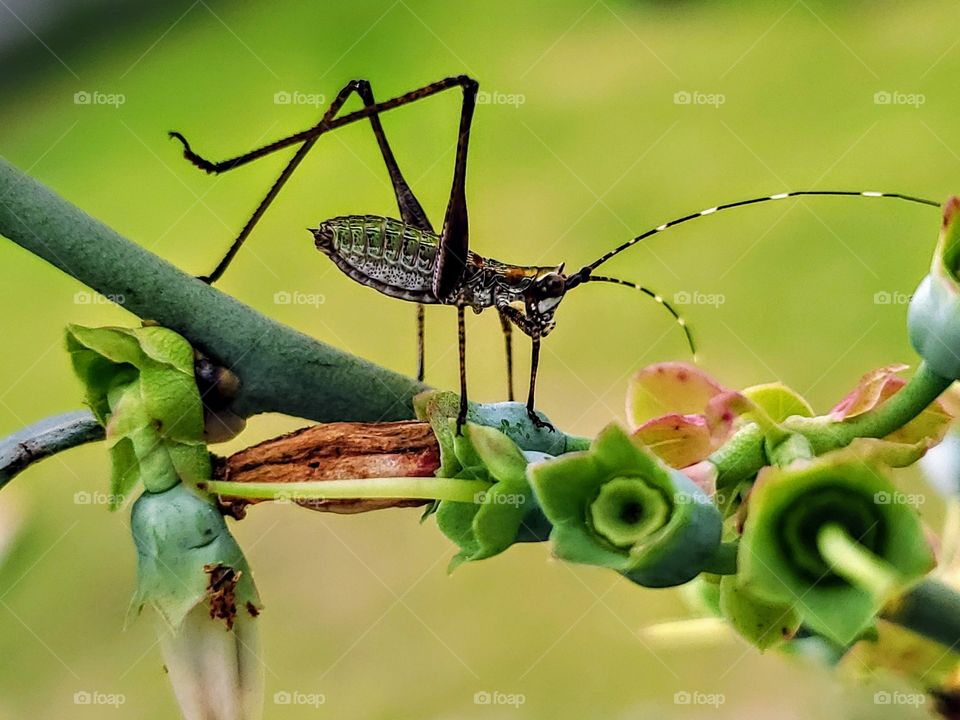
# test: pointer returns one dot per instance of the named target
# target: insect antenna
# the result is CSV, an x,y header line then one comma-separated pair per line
x,y
585,272
657,298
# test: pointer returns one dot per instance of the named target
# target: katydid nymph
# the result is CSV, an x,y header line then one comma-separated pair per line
x,y
408,259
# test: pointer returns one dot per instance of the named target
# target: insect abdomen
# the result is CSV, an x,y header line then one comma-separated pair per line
x,y
383,253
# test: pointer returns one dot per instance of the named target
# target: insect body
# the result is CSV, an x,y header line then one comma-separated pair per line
x,y
400,261
406,258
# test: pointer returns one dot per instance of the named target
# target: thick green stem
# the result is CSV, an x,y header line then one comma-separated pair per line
x,y
414,488
281,370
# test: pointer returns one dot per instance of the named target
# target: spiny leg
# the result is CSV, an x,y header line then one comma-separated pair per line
x,y
521,321
462,344
508,346
534,364
308,138
454,243
420,343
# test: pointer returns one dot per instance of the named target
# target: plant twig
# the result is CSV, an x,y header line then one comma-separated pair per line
x,y
281,370
44,438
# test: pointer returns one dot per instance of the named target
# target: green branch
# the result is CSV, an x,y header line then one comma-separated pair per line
x,y
281,370
45,438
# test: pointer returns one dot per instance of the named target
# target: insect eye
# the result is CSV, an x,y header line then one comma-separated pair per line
x,y
552,285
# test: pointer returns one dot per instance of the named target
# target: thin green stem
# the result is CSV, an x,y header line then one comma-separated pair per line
x,y
745,454
418,488
855,563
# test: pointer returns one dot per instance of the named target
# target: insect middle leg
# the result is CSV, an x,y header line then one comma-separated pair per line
x,y
508,347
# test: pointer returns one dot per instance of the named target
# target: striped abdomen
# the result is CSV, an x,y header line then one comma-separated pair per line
x,y
382,253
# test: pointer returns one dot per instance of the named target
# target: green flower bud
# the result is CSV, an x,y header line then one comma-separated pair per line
x,y
191,570
934,316
616,506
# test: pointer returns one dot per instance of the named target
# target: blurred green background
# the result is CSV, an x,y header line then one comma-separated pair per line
x,y
596,147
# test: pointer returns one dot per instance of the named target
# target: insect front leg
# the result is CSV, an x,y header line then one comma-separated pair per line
x,y
531,329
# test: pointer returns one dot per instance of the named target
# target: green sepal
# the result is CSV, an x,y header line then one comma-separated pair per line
x,y
763,623
664,552
779,558
179,535
140,385
493,522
